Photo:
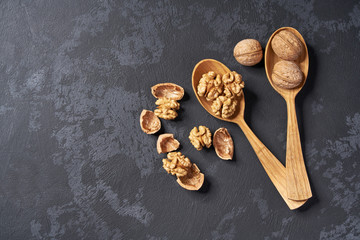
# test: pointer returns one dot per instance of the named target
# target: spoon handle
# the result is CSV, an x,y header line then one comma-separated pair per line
x,y
298,186
273,167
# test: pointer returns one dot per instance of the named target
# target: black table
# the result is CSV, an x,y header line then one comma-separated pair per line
x,y
74,163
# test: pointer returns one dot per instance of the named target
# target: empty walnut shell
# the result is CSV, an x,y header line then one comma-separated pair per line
x,y
193,180
223,144
149,122
167,143
167,90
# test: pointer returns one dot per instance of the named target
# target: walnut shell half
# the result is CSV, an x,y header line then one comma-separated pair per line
x,y
149,122
167,143
193,180
223,144
167,90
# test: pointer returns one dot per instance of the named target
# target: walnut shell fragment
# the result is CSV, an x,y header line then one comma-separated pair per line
x,y
167,90
223,144
193,180
149,122
167,143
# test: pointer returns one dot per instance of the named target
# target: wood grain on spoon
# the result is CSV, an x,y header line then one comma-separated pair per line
x,y
298,186
272,166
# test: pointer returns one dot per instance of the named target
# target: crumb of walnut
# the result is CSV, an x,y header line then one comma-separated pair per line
x,y
177,164
200,138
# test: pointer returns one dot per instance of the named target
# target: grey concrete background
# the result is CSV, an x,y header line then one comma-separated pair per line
x,y
75,75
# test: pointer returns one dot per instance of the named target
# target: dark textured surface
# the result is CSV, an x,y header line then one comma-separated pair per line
x,y
74,163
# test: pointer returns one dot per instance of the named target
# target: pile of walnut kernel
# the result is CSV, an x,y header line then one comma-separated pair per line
x,y
222,90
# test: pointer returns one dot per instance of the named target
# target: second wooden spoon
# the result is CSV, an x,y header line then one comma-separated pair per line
x,y
298,186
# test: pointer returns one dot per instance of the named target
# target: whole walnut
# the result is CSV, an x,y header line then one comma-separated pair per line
x,y
286,74
286,45
248,52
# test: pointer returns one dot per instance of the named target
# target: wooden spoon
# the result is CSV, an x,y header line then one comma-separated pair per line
x,y
298,186
272,166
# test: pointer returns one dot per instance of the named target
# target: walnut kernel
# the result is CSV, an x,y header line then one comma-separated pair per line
x,y
229,107
166,108
224,106
168,103
200,138
210,86
165,113
176,164
233,84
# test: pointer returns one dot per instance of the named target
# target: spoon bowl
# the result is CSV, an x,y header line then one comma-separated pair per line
x,y
272,166
297,181
206,66
271,59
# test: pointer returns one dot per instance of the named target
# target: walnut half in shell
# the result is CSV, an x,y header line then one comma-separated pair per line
x,y
149,122
223,144
167,143
187,173
193,180
167,90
